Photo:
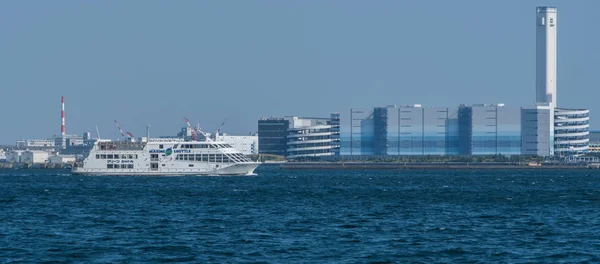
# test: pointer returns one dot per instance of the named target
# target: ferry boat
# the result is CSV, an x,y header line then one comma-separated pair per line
x,y
165,157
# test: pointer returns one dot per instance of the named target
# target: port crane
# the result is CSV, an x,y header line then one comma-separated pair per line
x,y
121,131
195,131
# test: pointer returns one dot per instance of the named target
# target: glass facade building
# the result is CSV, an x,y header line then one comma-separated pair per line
x,y
416,130
496,129
537,131
400,130
352,139
272,136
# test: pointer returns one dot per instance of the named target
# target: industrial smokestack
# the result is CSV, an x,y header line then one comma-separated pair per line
x,y
62,117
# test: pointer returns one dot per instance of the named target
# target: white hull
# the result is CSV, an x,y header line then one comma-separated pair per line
x,y
233,170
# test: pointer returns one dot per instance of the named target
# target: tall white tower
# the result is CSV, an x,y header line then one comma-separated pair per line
x,y
546,55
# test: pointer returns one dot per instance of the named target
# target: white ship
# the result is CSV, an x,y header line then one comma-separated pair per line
x,y
165,157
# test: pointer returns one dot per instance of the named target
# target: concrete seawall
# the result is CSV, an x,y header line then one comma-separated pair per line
x,y
396,166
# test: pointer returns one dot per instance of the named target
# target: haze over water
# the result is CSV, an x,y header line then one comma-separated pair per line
x,y
285,216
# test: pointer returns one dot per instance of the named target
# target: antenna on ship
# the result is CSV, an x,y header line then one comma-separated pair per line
x,y
148,132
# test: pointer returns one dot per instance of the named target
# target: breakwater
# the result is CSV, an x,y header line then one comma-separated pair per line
x,y
395,165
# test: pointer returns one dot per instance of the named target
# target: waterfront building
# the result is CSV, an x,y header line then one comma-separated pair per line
x,y
14,156
313,137
537,130
35,144
299,137
62,159
62,142
247,145
495,130
484,129
400,130
571,131
34,157
272,135
351,136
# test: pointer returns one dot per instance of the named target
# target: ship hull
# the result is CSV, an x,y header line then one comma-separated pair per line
x,y
240,169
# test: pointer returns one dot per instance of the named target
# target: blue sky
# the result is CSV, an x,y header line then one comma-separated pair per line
x,y
154,62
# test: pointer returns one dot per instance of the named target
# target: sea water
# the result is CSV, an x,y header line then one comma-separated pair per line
x,y
302,216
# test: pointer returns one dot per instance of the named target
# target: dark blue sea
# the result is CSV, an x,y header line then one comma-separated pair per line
x,y
303,216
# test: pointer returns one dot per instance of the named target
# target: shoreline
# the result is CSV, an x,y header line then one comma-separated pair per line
x,y
408,166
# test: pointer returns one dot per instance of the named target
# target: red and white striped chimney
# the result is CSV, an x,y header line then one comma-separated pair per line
x,y
62,117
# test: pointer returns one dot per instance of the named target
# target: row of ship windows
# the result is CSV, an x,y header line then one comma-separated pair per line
x,y
116,156
119,166
213,157
195,146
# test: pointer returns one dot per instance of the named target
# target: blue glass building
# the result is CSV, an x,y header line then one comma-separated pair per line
x,y
416,130
496,129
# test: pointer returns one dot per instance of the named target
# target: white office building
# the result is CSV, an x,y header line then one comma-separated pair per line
x,y
571,131
62,159
35,144
34,157
310,137
537,130
248,145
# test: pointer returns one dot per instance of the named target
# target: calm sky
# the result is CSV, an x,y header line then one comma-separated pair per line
x,y
154,62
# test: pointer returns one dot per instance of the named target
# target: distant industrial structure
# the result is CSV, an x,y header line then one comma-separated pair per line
x,y
481,129
59,149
